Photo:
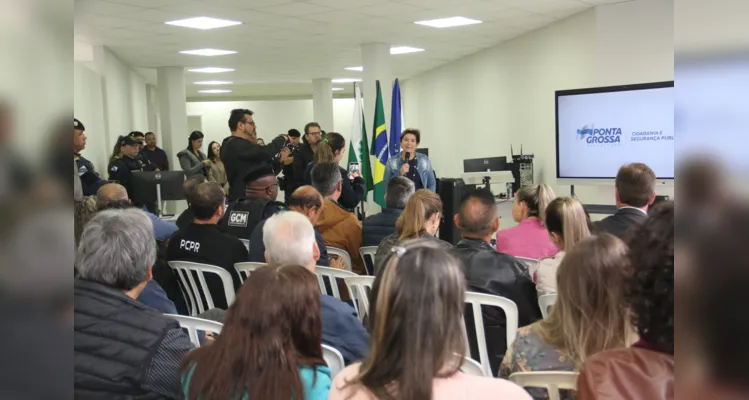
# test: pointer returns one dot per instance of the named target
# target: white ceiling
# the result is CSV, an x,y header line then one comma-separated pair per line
x,y
284,44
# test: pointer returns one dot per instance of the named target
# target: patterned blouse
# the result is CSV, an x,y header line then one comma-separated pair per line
x,y
530,353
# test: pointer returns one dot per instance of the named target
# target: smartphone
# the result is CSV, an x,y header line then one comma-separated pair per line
x,y
353,167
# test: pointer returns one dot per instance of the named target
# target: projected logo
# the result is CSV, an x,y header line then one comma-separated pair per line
x,y
599,136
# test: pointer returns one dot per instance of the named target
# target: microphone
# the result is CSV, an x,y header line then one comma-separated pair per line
x,y
408,156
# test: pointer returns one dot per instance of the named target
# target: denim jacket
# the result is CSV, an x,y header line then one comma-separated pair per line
x,y
426,173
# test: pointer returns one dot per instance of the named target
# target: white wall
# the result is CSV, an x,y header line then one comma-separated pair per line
x,y
479,105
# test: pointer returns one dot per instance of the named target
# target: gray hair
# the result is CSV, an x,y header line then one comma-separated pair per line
x,y
117,248
398,192
288,238
111,193
325,178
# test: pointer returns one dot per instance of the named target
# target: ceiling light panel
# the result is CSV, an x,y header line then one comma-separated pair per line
x,y
337,89
404,50
208,52
448,22
359,68
213,83
203,23
215,91
211,70
346,80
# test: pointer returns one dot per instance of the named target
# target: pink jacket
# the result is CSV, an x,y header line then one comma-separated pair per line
x,y
529,239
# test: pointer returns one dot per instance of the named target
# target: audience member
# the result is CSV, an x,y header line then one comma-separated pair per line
x,y
90,180
216,171
122,168
331,150
645,370
140,138
290,182
241,154
306,151
113,195
491,272
567,224
337,226
269,347
123,349
377,227
203,242
418,342
307,201
635,192
587,317
420,219
188,187
154,154
530,238
258,203
192,160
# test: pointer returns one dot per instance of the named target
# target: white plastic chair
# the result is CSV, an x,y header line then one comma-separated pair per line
x,y
471,367
332,274
358,287
343,254
531,263
244,269
545,302
367,255
511,313
185,269
552,381
193,325
334,359
246,243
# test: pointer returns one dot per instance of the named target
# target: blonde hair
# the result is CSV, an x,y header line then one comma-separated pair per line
x,y
590,314
328,147
537,198
421,206
566,217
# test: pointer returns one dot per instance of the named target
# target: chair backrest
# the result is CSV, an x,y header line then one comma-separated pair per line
x,y
343,254
334,359
244,269
332,274
246,243
358,288
185,270
193,325
545,302
531,263
368,257
552,381
476,300
471,367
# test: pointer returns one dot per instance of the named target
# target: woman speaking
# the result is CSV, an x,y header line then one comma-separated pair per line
x,y
414,166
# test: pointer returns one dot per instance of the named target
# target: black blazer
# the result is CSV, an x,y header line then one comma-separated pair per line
x,y
619,223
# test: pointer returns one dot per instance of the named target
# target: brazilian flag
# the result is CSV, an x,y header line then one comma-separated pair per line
x,y
379,150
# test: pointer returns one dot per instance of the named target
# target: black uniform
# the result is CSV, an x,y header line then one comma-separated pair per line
x,y
206,244
303,156
240,156
242,216
90,180
122,170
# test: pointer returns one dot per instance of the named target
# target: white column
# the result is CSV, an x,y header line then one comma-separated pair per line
x,y
172,112
322,103
376,63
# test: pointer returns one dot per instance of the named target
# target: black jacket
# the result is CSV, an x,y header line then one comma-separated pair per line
x,y
241,217
352,192
257,247
619,223
122,172
379,226
90,180
303,156
241,156
488,271
214,248
116,341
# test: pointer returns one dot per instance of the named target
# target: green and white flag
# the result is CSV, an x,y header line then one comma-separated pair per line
x,y
359,145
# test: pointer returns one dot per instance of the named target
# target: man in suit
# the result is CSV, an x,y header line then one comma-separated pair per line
x,y
635,192
379,226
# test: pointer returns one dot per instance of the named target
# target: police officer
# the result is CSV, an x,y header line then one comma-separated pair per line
x,y
259,203
141,139
122,169
90,180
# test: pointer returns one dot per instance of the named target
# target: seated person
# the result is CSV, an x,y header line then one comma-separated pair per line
x,y
645,370
586,319
338,227
568,224
270,345
418,344
635,192
259,203
488,271
123,348
420,219
188,186
377,227
113,195
305,200
530,238
203,242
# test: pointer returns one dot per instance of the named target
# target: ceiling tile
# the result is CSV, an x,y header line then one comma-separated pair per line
x,y
249,4
149,3
388,8
297,9
104,7
346,4
158,15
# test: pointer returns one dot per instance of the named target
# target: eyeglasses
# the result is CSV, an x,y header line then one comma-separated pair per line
x,y
249,122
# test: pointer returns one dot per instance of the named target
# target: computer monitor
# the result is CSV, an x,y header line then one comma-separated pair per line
x,y
144,186
485,164
424,151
